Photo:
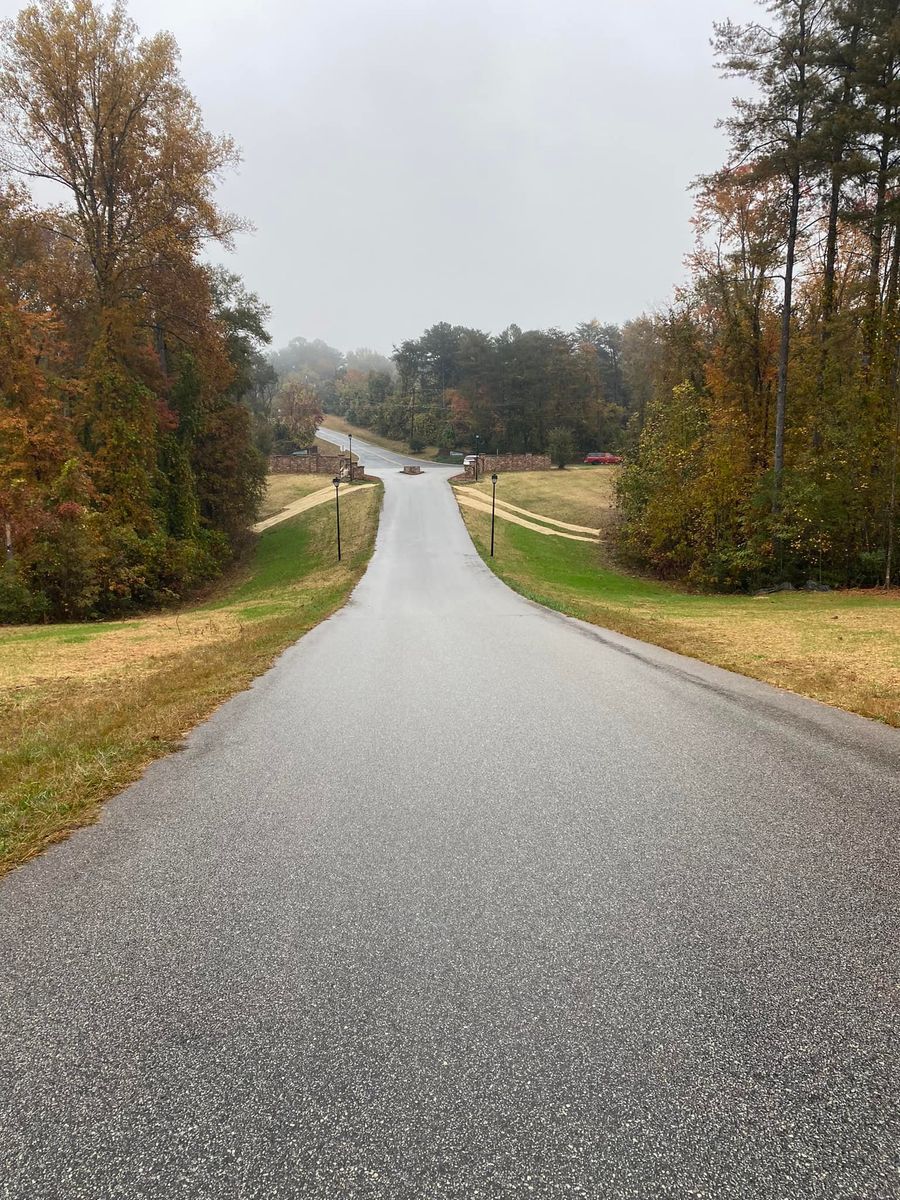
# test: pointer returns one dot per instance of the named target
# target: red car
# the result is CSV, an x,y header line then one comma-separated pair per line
x,y
604,459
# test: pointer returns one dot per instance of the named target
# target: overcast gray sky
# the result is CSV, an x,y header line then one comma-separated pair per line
x,y
475,161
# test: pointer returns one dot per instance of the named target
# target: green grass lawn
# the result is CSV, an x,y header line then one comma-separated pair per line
x,y
84,708
841,647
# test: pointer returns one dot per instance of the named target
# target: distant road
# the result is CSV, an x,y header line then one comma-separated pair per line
x,y
465,899
370,455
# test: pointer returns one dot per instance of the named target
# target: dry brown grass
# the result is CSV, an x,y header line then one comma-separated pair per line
x,y
584,496
282,490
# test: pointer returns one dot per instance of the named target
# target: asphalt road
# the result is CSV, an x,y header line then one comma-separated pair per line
x,y
374,458
464,899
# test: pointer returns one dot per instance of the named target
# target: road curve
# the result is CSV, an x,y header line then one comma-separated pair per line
x,y
465,899
376,459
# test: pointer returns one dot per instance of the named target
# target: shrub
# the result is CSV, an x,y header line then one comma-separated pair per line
x,y
17,601
561,446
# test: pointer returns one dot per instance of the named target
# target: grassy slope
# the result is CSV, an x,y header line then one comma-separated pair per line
x,y
582,495
839,647
282,490
84,708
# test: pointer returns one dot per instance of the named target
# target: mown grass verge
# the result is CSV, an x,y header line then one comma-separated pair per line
x,y
85,708
841,647
585,495
282,490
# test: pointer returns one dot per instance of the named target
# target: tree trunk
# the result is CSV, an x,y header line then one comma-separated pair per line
x,y
825,328
785,344
834,203
877,236
162,354
890,305
831,243
892,501
793,221
888,139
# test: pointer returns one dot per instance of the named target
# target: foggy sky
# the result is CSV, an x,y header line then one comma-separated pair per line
x,y
481,162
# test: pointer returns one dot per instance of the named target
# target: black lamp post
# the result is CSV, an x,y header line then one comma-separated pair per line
x,y
477,440
350,436
337,511
493,508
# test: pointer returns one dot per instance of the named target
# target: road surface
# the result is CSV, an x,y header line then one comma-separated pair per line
x,y
465,899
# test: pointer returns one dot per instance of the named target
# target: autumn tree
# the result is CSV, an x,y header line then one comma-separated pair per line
x,y
299,410
90,105
770,135
126,358
34,442
792,311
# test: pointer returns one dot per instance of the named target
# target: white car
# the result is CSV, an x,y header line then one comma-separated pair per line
x,y
470,460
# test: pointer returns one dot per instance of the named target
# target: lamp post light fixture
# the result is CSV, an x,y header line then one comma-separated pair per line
x,y
493,508
337,511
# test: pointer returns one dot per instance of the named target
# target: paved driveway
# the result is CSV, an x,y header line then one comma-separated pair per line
x,y
464,899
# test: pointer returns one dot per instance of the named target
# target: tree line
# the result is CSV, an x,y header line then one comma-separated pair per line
x,y
454,384
770,447
128,470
